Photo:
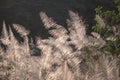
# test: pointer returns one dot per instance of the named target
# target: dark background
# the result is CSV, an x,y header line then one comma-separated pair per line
x,y
26,12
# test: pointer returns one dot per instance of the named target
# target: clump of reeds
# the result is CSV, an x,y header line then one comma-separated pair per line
x,y
67,55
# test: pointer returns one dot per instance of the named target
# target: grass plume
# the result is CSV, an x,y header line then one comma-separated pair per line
x,y
62,57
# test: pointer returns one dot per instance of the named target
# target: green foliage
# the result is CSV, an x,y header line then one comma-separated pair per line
x,y
106,31
113,47
106,25
117,2
111,17
118,5
88,53
86,49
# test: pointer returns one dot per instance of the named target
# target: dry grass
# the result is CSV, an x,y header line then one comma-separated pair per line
x,y
61,57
